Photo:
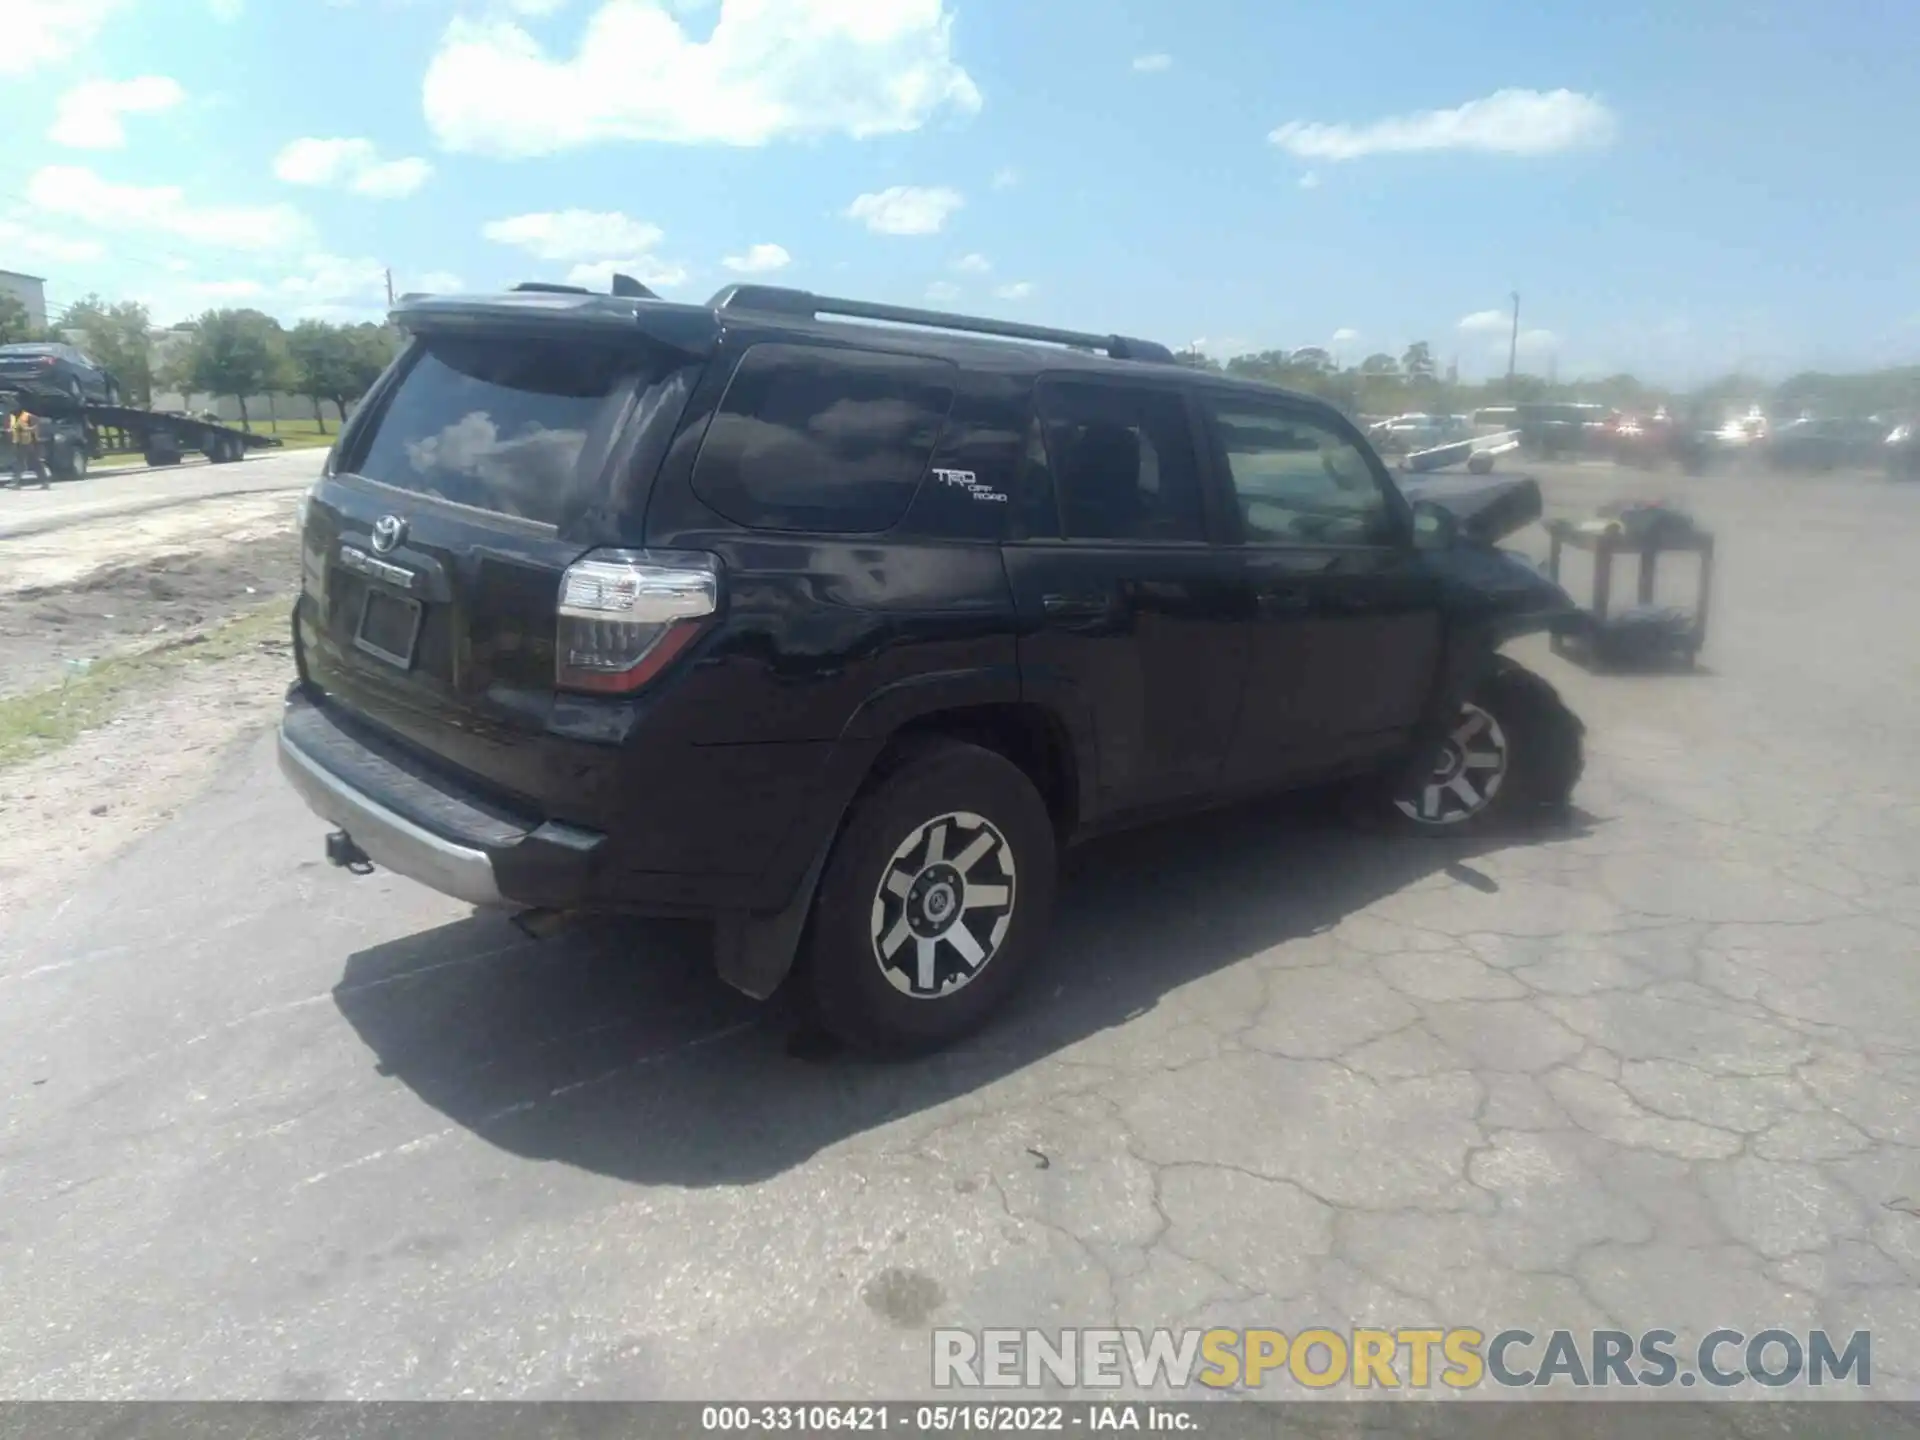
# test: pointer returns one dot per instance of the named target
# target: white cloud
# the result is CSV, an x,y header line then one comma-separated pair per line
x,y
943,291
218,291
1507,122
1345,336
602,243
88,117
1005,178
320,286
31,247
351,165
43,32
1537,342
1484,321
163,210
650,270
1152,64
771,70
574,234
1019,290
758,260
1310,180
973,265
906,209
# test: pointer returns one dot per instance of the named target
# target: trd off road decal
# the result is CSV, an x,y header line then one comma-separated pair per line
x,y
966,480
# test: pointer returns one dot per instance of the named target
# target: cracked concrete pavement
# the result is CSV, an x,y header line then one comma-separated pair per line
x,y
269,1131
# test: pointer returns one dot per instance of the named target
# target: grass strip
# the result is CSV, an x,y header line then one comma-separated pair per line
x,y
43,720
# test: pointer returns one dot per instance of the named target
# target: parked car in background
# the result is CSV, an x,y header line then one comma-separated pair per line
x,y
52,369
1550,429
1407,433
1642,440
1816,445
1902,451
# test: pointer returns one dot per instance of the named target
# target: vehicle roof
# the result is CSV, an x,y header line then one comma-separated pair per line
x,y
698,328
32,347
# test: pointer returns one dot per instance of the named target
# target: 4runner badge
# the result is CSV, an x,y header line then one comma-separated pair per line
x,y
968,481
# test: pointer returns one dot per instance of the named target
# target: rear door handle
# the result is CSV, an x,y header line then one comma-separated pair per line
x,y
1283,602
1076,607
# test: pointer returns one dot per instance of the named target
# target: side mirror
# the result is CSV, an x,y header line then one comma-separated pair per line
x,y
1435,527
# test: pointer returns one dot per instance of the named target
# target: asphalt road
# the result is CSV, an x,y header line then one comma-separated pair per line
x,y
107,493
271,1131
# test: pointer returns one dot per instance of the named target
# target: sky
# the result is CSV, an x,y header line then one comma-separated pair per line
x,y
1672,187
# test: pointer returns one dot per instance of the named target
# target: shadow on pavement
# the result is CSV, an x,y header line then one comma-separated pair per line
x,y
612,1047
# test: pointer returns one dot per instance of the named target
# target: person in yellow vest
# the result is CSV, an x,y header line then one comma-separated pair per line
x,y
23,429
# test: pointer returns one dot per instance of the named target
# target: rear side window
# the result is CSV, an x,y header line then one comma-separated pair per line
x,y
513,425
818,439
1123,462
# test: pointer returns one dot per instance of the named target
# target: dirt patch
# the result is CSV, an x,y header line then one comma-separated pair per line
x,y
135,651
59,616
75,805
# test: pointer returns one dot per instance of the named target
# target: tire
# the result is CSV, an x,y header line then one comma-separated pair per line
x,y
885,969
1517,753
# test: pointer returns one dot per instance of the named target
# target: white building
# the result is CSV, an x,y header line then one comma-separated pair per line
x,y
30,291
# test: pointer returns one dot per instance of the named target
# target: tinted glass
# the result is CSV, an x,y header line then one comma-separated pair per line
x,y
1123,462
1298,481
515,426
811,438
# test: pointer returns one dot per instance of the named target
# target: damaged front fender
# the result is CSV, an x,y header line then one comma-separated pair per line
x,y
1487,592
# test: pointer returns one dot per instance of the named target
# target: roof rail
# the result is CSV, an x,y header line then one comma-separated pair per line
x,y
778,300
545,288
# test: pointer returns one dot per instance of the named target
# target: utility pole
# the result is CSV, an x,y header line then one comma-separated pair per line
x,y
389,289
1513,343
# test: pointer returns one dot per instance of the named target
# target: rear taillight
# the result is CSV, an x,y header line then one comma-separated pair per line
x,y
625,614
46,362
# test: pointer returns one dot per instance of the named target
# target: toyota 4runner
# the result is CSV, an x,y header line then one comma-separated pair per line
x,y
832,623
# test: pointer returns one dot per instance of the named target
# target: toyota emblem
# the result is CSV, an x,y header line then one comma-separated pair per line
x,y
388,531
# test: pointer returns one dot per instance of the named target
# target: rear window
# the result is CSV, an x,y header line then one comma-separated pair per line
x,y
513,425
818,439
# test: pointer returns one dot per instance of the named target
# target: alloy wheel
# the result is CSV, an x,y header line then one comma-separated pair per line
x,y
943,905
1472,766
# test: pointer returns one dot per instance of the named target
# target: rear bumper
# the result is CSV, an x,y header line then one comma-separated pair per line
x,y
389,839
424,826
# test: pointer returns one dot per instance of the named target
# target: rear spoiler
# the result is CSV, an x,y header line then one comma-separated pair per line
x,y
691,329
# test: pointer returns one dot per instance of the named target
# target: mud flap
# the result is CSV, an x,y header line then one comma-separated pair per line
x,y
754,953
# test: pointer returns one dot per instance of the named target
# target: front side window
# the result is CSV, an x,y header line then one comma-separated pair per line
x,y
1298,480
1123,462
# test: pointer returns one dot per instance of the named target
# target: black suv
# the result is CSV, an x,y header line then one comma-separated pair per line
x,y
835,633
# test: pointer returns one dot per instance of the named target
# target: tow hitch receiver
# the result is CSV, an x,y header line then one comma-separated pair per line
x,y
342,852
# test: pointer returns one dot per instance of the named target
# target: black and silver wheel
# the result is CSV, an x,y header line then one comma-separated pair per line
x,y
1467,777
1515,749
943,909
935,897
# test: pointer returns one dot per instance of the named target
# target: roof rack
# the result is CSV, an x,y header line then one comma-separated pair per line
x,y
778,300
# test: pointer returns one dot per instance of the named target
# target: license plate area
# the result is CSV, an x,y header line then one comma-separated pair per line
x,y
389,627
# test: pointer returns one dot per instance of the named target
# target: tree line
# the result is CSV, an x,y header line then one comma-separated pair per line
x,y
244,352
1383,384
241,353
